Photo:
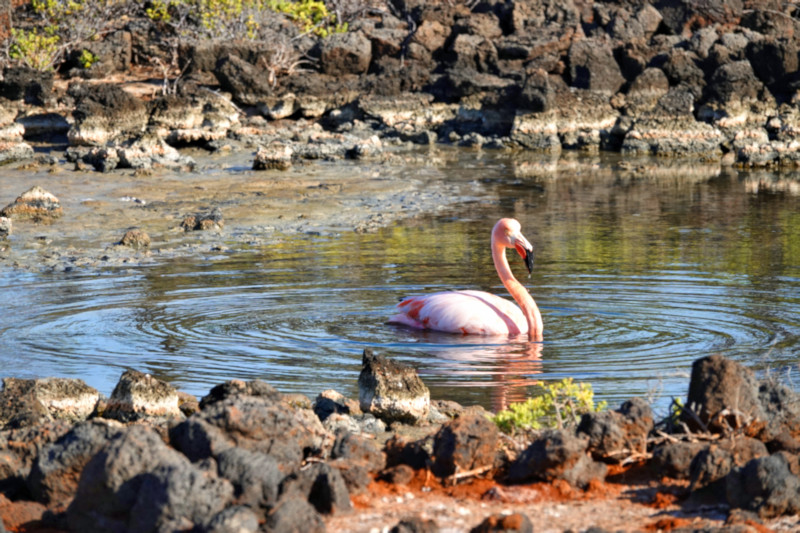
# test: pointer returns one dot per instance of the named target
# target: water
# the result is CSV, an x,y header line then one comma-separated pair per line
x,y
639,271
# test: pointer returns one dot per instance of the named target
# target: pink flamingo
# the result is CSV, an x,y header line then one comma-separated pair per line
x,y
476,312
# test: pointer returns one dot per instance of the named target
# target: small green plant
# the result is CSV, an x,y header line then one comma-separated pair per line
x,y
158,11
561,404
39,51
87,59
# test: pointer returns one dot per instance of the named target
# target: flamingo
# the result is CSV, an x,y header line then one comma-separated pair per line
x,y
476,312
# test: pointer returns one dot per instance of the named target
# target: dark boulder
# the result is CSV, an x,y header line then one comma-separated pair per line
x,y
346,53
414,453
54,476
464,444
774,62
255,476
683,16
557,454
592,66
293,515
321,485
235,387
28,84
253,423
674,459
105,112
713,463
722,394
138,483
248,84
615,435
20,448
734,81
766,485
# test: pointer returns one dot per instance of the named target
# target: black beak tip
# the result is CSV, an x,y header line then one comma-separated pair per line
x,y
529,260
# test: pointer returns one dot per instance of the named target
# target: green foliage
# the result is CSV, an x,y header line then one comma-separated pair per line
x,y
36,50
158,11
221,16
87,59
562,403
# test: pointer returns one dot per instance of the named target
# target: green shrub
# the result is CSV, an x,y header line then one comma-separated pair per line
x,y
561,404
40,51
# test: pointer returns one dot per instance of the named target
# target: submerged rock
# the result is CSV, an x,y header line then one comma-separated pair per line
x,y
391,391
204,221
5,227
135,238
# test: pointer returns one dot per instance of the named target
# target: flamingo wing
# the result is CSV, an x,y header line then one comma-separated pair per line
x,y
466,312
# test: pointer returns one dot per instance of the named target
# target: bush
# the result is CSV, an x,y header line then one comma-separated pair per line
x,y
562,404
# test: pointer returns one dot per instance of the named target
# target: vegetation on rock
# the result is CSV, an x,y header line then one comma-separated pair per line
x,y
561,404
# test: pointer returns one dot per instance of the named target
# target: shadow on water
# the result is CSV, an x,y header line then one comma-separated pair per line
x,y
639,271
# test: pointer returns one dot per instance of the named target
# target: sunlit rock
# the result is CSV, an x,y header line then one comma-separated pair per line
x,y
140,396
392,391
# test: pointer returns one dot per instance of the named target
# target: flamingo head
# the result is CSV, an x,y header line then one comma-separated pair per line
x,y
508,232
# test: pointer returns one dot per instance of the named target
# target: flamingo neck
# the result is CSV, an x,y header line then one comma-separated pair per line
x,y
517,291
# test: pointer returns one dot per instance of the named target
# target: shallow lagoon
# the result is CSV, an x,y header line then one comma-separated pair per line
x,y
640,269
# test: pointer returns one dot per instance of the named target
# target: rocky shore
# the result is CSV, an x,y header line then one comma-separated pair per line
x,y
247,458
715,79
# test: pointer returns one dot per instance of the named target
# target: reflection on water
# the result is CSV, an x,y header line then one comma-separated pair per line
x,y
639,270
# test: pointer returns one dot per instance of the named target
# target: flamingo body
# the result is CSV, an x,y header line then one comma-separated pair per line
x,y
476,312
465,312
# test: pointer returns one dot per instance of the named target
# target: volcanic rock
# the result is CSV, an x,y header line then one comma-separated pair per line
x,y
464,444
346,53
557,454
505,523
765,485
137,483
723,394
36,204
139,396
204,220
54,476
713,463
255,476
614,435
135,238
295,515
235,387
322,485
273,157
255,424
105,112
25,402
28,84
391,391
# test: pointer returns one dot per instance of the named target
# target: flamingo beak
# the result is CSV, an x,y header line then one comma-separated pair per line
x,y
525,251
